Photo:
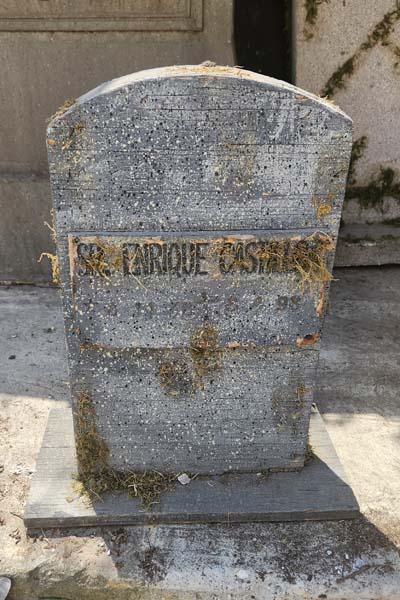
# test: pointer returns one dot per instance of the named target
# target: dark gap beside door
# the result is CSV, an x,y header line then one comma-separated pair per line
x,y
262,35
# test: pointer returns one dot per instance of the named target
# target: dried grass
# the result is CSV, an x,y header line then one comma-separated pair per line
x,y
305,257
54,266
62,109
96,476
102,259
52,257
309,453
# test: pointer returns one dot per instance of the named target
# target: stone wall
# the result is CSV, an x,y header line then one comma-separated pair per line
x,y
51,52
346,49
349,50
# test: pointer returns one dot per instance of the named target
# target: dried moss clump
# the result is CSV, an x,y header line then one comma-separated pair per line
x,y
205,351
306,257
176,378
96,476
92,451
303,256
63,108
379,34
309,453
301,391
101,259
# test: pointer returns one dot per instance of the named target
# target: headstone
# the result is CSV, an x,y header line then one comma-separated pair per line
x,y
196,212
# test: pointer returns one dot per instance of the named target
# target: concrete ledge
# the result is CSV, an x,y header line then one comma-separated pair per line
x,y
319,491
367,245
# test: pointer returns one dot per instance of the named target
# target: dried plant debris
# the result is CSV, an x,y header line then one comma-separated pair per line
x,y
379,34
99,259
96,476
301,391
92,452
303,256
74,133
176,378
288,403
52,227
309,453
52,257
62,109
54,266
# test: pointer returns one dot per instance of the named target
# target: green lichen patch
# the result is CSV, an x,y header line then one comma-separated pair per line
x,y
355,239
385,184
311,8
55,269
357,152
395,222
379,34
338,79
372,195
382,30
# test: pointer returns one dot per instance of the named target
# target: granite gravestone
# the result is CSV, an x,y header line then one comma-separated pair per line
x,y
196,212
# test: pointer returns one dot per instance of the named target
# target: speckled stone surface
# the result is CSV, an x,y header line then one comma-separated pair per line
x,y
193,362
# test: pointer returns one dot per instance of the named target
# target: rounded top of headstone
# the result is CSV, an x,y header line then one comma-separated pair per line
x,y
205,70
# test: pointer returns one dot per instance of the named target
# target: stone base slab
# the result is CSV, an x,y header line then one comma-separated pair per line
x,y
318,492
